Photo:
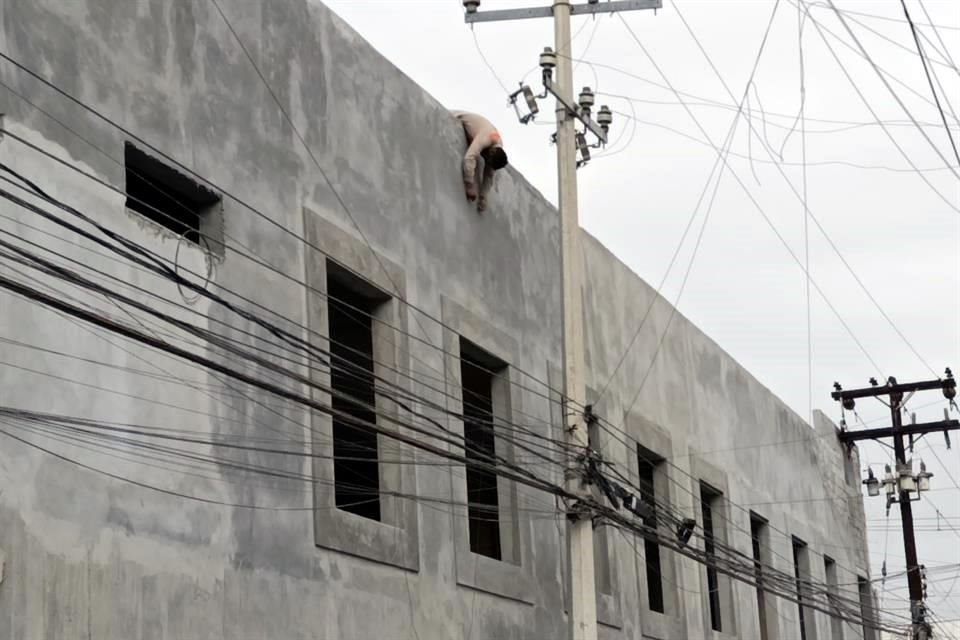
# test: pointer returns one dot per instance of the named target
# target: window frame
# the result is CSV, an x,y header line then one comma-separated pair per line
x,y
715,479
802,569
492,370
394,540
605,538
672,622
831,578
511,577
712,504
769,602
868,608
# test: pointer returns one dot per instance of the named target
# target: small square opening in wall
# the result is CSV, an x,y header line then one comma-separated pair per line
x,y
169,198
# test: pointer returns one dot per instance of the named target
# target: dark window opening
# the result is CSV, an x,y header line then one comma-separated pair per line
x,y
647,464
164,195
483,497
836,621
709,501
758,532
866,609
799,549
356,469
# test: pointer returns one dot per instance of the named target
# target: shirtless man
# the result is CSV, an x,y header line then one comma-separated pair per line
x,y
483,140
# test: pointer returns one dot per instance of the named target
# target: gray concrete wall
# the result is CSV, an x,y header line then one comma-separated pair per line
x,y
89,556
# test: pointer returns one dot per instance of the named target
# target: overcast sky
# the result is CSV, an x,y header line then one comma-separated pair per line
x,y
745,290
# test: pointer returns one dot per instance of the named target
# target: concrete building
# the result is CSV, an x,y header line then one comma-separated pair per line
x,y
85,555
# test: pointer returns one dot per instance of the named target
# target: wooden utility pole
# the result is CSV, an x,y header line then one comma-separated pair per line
x,y
903,483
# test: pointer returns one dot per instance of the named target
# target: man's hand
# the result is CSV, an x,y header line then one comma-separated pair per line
x,y
472,194
481,204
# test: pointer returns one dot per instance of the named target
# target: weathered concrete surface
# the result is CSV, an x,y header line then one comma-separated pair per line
x,y
88,556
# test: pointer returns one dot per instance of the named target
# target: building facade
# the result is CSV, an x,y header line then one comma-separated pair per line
x,y
457,305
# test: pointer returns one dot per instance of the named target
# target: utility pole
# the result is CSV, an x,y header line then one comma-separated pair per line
x,y
583,601
901,482
583,604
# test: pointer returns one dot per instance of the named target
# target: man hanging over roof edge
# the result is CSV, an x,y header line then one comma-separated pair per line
x,y
483,142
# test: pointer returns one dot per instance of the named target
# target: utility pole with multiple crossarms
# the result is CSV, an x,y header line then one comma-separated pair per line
x,y
570,142
901,482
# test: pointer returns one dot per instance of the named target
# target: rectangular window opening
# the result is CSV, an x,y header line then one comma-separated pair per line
x,y
758,535
709,502
648,463
866,609
162,194
799,558
477,372
836,622
356,467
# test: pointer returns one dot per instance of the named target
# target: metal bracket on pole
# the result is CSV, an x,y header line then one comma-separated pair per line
x,y
575,9
529,98
912,429
574,110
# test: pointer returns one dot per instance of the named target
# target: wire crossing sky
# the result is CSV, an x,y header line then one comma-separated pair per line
x,y
880,182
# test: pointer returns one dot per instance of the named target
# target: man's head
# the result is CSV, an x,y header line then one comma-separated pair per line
x,y
496,158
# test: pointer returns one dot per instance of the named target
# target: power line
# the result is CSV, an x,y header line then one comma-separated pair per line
x,y
809,215
786,163
63,306
883,79
496,77
806,212
388,384
7,284
936,32
128,244
306,147
702,101
895,43
763,214
245,204
874,16
926,70
718,169
313,289
215,340
640,44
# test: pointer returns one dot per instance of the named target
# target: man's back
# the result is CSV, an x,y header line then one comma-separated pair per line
x,y
475,125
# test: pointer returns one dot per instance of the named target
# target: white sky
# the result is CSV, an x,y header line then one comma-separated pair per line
x,y
745,290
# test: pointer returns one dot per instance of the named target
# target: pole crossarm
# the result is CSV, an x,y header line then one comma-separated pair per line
x,y
907,430
900,487
889,389
580,548
575,9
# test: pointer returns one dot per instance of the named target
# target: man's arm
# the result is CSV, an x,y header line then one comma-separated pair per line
x,y
470,159
487,182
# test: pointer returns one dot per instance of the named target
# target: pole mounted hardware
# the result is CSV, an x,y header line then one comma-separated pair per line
x,y
557,76
901,485
581,110
593,7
